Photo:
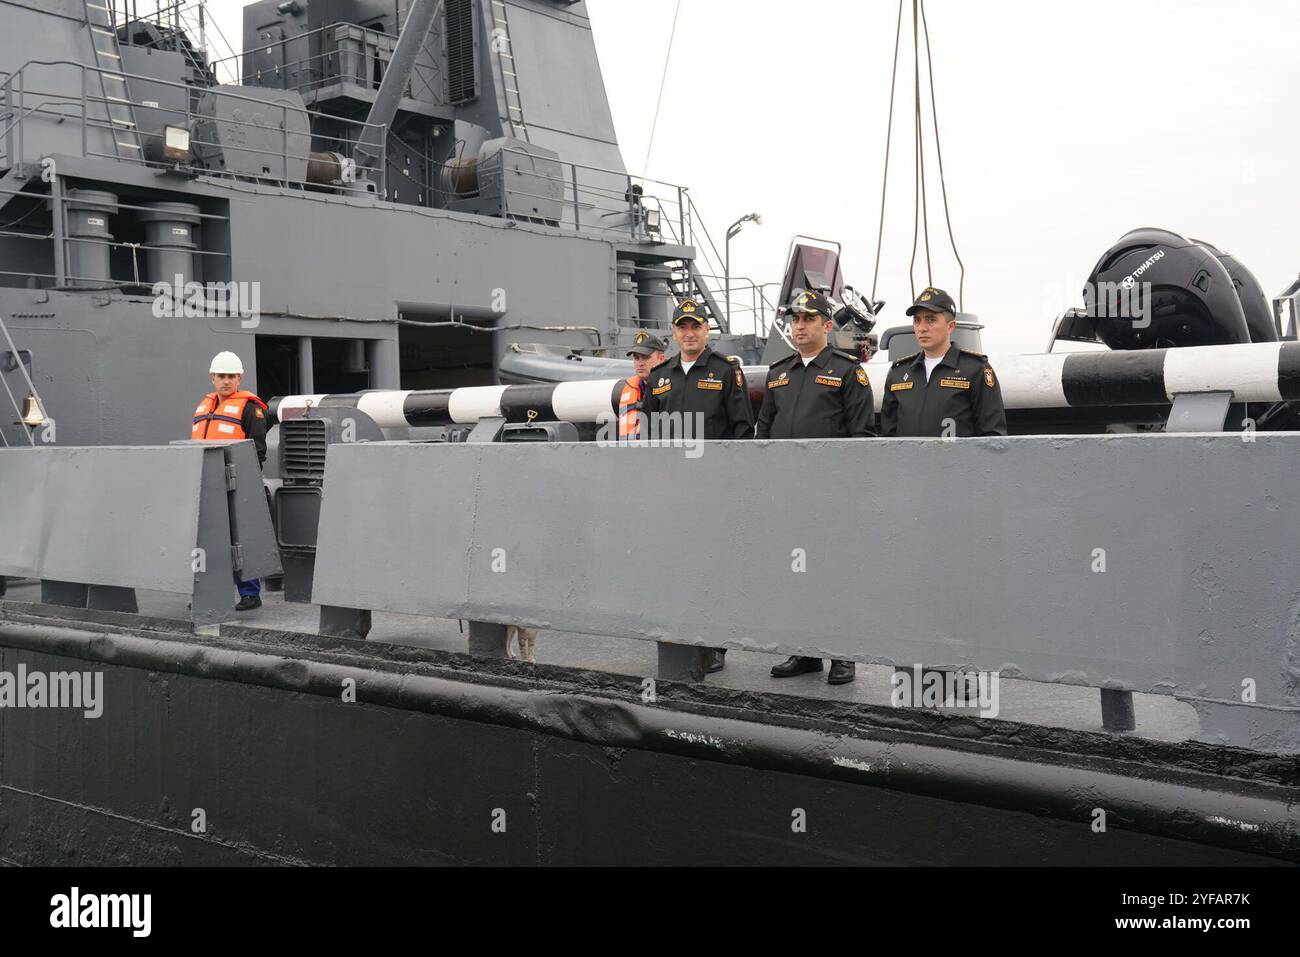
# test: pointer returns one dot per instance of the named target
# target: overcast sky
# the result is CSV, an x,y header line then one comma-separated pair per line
x,y
1063,126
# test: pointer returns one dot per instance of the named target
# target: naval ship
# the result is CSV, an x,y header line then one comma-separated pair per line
x,y
412,222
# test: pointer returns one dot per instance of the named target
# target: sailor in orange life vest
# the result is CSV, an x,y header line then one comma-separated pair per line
x,y
231,413
647,351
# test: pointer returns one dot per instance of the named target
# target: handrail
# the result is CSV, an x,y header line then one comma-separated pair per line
x,y
423,70
15,88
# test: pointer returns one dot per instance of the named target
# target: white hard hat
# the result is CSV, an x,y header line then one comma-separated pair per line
x,y
227,362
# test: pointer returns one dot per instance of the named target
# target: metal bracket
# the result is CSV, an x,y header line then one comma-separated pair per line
x,y
489,429
1288,301
237,557
1199,412
230,477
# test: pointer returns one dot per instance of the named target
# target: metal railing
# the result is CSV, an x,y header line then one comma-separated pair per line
x,y
67,279
349,54
22,102
185,23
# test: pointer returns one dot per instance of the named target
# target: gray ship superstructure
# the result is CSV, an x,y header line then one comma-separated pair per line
x,y
392,215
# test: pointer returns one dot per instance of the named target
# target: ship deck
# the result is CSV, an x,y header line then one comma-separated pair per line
x,y
1158,717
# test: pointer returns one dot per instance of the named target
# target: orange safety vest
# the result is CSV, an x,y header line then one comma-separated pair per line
x,y
629,404
215,419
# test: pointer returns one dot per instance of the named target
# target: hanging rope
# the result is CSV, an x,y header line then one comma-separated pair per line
x,y
645,167
889,133
921,210
934,114
920,199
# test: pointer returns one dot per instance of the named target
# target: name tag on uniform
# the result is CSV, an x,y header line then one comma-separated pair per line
x,y
900,386
662,389
830,380
954,383
713,385
777,383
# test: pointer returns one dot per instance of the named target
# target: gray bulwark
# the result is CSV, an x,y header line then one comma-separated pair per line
x,y
1157,563
103,516
96,523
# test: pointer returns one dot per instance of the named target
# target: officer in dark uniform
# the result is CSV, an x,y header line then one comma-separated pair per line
x,y
817,393
941,390
701,387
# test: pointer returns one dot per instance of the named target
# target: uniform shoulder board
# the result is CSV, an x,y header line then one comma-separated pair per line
x,y
734,360
899,362
662,364
847,355
974,355
780,362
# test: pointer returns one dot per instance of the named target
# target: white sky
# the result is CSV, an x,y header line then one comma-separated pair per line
x,y
1063,126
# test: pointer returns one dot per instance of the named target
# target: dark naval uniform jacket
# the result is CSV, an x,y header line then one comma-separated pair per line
x,y
715,388
829,398
962,388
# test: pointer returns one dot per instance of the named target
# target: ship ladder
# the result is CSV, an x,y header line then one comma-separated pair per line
x,y
112,81
512,105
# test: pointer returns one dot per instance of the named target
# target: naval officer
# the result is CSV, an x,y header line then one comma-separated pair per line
x,y
699,387
941,390
819,392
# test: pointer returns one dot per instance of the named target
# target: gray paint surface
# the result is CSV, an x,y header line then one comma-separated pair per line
x,y
1200,590
100,515
132,518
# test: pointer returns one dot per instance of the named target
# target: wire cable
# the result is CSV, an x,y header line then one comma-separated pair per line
x,y
934,115
662,81
889,133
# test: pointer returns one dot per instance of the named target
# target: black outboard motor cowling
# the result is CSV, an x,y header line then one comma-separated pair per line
x,y
1157,289
1259,314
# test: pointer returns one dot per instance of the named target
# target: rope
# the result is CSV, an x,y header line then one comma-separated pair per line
x,y
889,132
921,211
920,198
645,167
135,262
934,114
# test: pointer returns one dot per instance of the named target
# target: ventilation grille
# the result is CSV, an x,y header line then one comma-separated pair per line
x,y
462,75
302,449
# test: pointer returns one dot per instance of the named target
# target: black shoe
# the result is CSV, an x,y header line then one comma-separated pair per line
x,y
248,603
796,665
716,661
842,672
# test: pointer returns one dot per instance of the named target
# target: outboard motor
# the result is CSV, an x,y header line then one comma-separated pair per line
x,y
1157,289
1259,314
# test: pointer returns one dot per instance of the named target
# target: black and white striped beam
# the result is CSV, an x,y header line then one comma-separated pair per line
x,y
1252,372
398,409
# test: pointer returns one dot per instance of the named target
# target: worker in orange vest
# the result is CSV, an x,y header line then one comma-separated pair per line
x,y
231,413
647,352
